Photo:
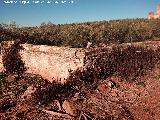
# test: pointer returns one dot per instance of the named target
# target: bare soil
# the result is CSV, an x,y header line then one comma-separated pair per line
x,y
122,101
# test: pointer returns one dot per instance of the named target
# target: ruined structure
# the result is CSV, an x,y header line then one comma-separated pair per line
x,y
57,63
158,9
51,62
152,15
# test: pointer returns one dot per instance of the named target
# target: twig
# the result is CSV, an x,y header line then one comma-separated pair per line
x,y
88,116
85,116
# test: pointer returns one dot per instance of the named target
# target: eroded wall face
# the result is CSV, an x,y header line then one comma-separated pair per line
x,y
52,63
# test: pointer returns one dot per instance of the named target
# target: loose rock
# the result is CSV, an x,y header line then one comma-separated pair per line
x,y
69,108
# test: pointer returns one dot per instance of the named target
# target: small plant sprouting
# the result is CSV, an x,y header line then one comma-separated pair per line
x,y
2,75
157,77
142,83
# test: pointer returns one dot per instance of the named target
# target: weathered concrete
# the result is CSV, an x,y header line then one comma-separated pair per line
x,y
52,63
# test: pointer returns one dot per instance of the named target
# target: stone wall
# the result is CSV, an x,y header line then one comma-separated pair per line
x,y
52,63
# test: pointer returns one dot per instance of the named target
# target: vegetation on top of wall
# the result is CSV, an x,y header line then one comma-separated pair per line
x,y
129,63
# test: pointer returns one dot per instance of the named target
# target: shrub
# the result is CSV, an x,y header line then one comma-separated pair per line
x,y
77,35
128,62
12,60
2,75
54,91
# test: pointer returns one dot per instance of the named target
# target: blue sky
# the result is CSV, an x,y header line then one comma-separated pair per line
x,y
79,11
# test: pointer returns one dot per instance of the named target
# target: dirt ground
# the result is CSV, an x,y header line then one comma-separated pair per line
x,y
112,99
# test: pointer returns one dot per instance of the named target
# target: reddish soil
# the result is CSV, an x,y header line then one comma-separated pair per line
x,y
129,101
121,101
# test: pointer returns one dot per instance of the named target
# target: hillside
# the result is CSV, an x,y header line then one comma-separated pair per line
x,y
78,34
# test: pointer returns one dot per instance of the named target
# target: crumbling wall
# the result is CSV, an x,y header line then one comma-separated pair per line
x,y
56,63
52,63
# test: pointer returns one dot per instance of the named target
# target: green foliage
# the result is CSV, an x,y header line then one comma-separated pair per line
x,y
157,77
129,62
2,75
141,83
77,35
12,60
2,82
